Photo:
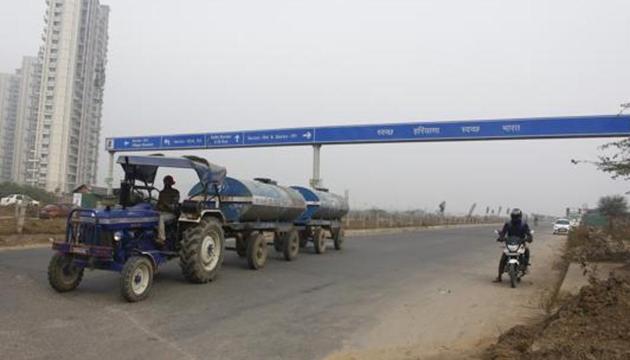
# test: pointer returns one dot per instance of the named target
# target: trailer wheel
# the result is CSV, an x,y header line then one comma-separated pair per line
x,y
338,237
278,241
319,240
257,251
63,276
241,245
136,279
291,245
304,234
202,251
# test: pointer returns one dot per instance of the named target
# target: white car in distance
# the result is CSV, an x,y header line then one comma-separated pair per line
x,y
561,226
16,199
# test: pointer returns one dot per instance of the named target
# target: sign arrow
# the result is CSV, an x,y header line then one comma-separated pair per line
x,y
307,135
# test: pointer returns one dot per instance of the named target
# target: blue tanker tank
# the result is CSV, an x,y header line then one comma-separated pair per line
x,y
293,215
259,200
321,205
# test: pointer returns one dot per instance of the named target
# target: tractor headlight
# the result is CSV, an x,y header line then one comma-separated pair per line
x,y
118,235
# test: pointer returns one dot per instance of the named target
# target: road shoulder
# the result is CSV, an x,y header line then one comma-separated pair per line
x,y
462,313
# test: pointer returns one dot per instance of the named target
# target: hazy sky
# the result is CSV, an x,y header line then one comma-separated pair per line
x,y
231,65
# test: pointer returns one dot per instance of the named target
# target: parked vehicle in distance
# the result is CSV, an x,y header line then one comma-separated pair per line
x,y
561,226
51,211
16,199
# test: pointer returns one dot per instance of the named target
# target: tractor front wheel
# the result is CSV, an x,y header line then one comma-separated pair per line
x,y
202,251
136,278
63,275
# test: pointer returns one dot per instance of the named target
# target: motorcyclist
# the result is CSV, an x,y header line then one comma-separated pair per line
x,y
515,227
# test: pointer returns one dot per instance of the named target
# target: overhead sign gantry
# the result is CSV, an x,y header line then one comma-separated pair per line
x,y
503,129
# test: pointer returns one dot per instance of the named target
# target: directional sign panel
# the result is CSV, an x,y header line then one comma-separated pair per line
x,y
184,141
279,137
227,139
531,128
134,143
593,126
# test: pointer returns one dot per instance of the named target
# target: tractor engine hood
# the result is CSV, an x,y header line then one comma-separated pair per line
x,y
134,217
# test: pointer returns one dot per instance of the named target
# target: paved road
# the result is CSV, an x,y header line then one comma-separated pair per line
x,y
299,310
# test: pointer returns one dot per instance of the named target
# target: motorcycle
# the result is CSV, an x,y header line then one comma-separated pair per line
x,y
514,252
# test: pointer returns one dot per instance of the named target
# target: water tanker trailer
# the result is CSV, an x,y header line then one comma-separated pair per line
x,y
254,210
323,214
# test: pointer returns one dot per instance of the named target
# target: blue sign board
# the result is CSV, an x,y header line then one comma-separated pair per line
x,y
531,128
279,137
227,139
184,141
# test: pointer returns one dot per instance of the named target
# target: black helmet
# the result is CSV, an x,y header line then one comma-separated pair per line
x,y
516,215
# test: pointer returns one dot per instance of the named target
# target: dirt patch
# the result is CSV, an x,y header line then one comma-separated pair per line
x,y
8,226
462,312
586,326
36,231
12,241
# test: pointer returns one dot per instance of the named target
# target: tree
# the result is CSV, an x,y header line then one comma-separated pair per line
x,y
613,207
617,164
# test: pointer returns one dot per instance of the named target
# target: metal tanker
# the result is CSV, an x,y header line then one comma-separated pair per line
x,y
292,216
321,205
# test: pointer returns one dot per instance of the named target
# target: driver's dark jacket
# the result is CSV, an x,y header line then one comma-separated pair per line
x,y
168,200
520,229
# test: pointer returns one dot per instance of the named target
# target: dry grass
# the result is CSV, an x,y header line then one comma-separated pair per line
x,y
34,226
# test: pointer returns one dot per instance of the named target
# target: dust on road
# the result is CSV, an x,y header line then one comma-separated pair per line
x,y
464,311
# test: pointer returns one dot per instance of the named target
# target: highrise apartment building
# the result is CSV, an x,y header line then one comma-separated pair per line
x,y
70,100
9,92
26,120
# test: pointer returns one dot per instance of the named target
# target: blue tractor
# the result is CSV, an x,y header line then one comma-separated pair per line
x,y
122,238
255,213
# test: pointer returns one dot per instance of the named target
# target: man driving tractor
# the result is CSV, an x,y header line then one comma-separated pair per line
x,y
167,204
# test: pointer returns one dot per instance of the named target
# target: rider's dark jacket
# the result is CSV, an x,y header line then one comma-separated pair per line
x,y
516,228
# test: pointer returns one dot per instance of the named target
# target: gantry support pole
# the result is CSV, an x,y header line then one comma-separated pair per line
x,y
316,181
110,174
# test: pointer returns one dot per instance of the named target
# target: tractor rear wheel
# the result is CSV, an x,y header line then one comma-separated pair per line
x,y
319,240
202,251
136,278
257,251
291,245
63,275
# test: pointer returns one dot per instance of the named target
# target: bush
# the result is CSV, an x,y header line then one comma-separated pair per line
x,y
41,195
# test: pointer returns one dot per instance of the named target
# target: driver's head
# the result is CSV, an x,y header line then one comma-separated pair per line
x,y
516,215
169,181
